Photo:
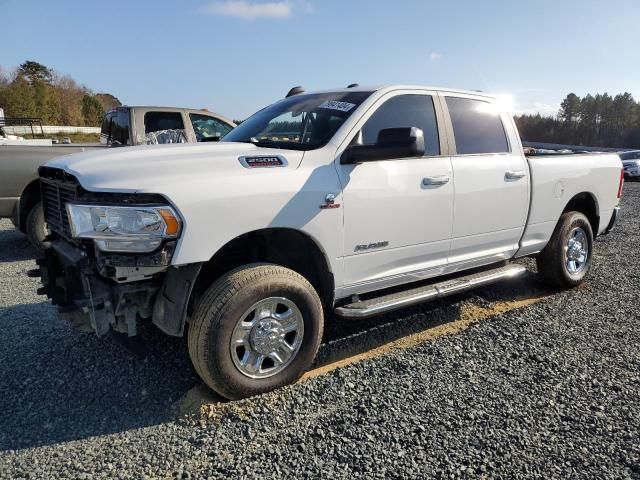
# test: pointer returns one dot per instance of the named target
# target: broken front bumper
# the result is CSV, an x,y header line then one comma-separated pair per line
x,y
73,282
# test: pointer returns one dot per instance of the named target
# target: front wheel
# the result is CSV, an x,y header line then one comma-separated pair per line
x,y
257,328
566,259
36,227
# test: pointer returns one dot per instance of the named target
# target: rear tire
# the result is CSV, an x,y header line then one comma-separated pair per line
x,y
255,329
36,227
566,259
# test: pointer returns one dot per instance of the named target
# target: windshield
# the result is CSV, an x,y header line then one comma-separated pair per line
x,y
301,122
630,155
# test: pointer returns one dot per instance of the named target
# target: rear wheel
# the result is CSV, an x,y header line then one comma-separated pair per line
x,y
36,227
566,259
255,329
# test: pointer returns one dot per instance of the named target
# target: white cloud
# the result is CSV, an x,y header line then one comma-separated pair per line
x,y
435,56
304,6
250,10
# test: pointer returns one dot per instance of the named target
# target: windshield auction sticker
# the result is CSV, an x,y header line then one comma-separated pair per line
x,y
335,105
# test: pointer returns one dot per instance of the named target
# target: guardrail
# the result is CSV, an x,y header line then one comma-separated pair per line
x,y
23,123
49,129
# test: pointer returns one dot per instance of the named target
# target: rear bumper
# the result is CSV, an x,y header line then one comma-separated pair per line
x,y
612,222
71,280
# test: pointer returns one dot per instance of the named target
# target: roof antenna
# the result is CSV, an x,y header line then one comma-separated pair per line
x,y
353,85
295,91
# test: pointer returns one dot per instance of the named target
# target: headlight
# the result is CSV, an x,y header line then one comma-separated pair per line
x,y
123,229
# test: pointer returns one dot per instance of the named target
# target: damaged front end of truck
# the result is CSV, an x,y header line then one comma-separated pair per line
x,y
108,258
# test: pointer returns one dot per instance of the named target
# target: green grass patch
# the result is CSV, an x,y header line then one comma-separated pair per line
x,y
74,137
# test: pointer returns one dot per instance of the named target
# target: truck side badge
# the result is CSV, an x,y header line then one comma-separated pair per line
x,y
370,246
263,161
329,202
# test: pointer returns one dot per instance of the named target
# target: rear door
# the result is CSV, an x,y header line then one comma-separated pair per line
x,y
491,180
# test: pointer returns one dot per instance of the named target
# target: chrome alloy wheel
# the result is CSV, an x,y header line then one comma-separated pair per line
x,y
267,337
577,251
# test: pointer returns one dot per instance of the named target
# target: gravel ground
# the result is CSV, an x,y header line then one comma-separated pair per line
x,y
551,390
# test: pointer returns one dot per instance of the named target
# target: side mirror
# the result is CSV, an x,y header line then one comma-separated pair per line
x,y
392,143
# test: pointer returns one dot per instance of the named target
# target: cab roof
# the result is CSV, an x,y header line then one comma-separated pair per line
x,y
166,109
388,88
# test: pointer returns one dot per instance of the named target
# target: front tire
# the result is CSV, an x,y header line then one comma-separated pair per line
x,y
256,328
566,259
36,227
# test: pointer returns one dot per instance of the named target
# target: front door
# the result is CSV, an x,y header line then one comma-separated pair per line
x,y
397,213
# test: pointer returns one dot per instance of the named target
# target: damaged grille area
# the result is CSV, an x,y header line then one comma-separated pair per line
x,y
58,188
55,196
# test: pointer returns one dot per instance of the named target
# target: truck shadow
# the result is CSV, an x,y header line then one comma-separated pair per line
x,y
60,385
344,338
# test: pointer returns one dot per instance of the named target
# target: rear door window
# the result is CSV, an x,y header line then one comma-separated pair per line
x,y
477,126
156,121
405,111
164,127
205,126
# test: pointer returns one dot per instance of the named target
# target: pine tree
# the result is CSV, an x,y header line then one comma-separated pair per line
x,y
92,111
20,99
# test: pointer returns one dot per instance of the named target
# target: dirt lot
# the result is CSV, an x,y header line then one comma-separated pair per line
x,y
512,381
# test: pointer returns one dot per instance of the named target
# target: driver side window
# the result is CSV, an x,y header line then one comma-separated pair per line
x,y
405,111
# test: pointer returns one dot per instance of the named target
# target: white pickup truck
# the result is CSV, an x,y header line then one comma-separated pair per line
x,y
321,201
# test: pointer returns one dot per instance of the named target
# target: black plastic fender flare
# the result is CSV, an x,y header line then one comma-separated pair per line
x,y
170,307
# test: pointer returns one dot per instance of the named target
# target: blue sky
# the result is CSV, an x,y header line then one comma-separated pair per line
x,y
237,56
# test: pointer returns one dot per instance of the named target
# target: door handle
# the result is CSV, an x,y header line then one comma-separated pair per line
x,y
514,174
437,180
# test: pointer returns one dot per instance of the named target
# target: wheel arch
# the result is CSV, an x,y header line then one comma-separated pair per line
x,y
587,204
288,247
29,197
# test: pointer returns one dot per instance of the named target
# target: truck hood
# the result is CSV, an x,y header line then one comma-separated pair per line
x,y
149,168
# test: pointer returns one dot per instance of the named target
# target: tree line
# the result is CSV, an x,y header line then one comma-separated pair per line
x,y
36,91
593,120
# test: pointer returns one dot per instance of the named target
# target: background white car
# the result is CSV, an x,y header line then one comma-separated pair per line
x,y
631,163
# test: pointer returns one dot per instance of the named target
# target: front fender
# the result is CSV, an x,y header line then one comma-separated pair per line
x,y
215,213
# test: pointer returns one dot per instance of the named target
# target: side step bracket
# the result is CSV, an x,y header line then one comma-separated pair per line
x,y
394,301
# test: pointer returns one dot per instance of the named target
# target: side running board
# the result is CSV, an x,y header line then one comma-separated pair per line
x,y
394,301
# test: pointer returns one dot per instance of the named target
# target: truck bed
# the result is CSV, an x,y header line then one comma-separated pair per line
x,y
556,179
19,167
